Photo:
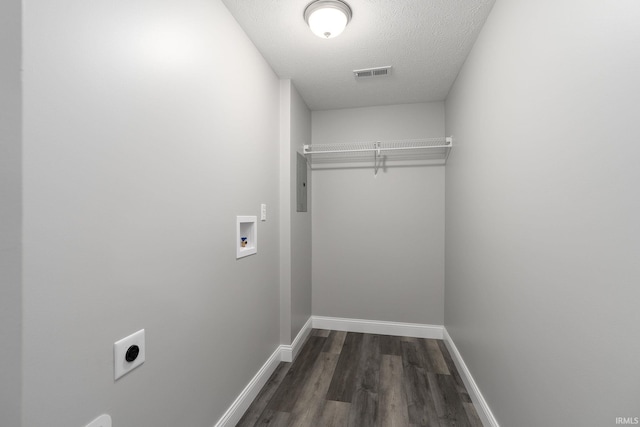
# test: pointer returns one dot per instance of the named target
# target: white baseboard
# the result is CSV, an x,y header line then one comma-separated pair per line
x,y
378,327
284,353
482,408
289,352
243,401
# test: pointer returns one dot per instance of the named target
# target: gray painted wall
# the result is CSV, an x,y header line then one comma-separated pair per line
x,y
295,227
147,128
300,221
10,214
378,242
285,174
542,211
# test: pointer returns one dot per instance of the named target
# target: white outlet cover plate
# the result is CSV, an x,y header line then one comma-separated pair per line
x,y
103,420
120,350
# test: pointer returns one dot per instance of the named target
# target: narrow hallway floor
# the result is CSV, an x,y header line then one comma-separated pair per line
x,y
364,380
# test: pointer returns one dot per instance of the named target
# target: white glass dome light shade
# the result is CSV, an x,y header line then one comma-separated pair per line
x,y
327,18
327,23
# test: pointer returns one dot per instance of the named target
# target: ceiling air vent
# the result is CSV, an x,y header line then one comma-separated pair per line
x,y
372,72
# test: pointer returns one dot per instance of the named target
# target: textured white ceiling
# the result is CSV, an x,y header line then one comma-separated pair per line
x,y
426,42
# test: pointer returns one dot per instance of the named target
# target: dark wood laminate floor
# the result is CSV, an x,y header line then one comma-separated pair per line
x,y
350,379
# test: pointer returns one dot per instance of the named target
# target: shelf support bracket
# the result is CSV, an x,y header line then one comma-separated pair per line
x,y
376,155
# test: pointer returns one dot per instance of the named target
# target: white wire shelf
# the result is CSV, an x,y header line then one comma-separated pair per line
x,y
433,150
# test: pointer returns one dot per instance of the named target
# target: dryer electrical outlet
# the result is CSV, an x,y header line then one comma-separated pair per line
x,y
128,353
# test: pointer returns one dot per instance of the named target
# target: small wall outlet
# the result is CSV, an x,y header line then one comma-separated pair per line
x,y
263,212
103,420
128,353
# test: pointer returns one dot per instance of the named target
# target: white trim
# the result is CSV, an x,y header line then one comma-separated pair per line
x,y
484,412
284,353
378,327
288,353
244,400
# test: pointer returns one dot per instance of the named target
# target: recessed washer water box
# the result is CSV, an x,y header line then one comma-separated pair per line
x,y
246,236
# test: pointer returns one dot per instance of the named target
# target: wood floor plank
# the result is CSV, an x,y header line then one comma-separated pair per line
x,y
343,382
390,345
259,404
364,405
421,408
287,393
273,419
309,402
364,380
434,357
447,401
368,372
430,358
472,414
334,343
364,409
420,405
392,407
453,370
411,354
333,414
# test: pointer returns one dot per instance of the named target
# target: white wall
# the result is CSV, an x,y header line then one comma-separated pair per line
x,y
542,211
295,227
148,126
10,214
378,242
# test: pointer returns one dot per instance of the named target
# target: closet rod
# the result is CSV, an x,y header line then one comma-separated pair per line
x,y
376,149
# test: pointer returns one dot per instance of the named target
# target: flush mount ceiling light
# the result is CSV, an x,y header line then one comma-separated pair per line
x,y
327,18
